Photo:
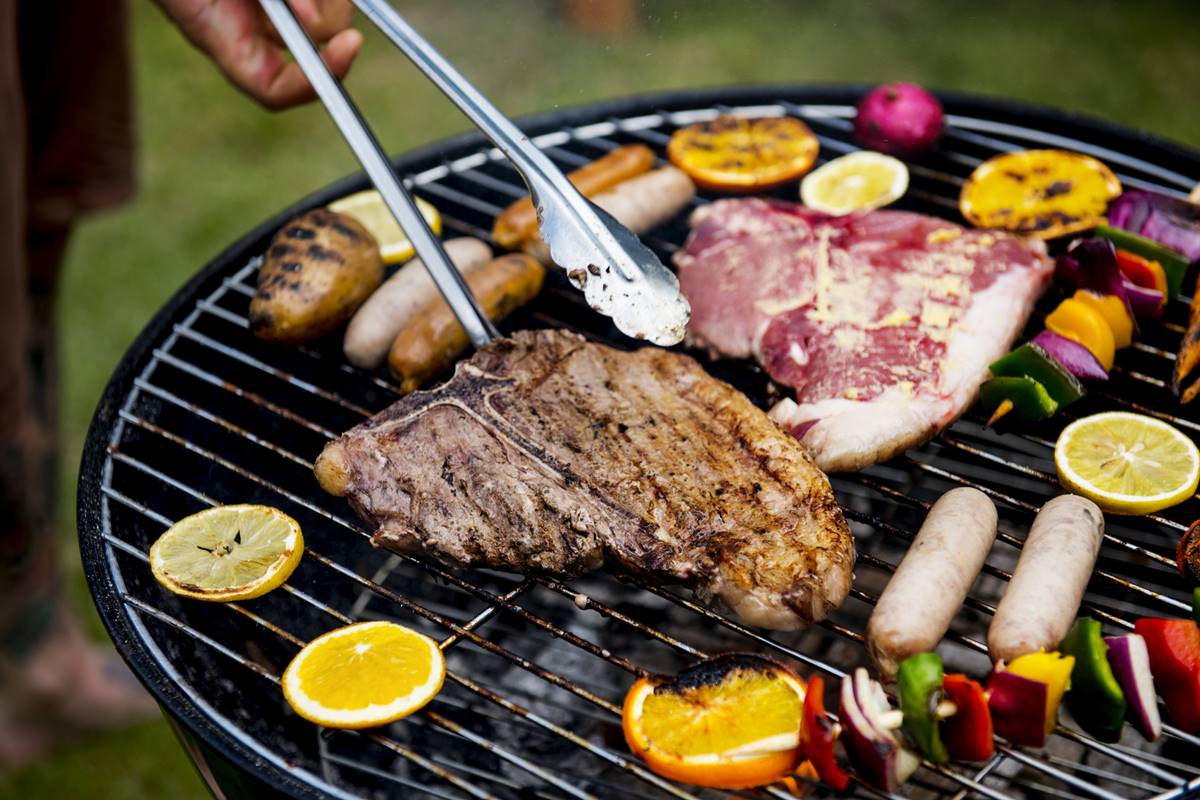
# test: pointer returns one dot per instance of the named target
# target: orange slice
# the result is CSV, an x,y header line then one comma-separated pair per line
x,y
731,722
732,153
1042,193
364,675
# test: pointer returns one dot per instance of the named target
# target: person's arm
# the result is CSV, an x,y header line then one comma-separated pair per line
x,y
238,37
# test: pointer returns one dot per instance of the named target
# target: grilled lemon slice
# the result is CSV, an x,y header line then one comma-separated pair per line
x,y
373,214
730,722
228,553
737,154
855,182
364,675
1127,463
1042,193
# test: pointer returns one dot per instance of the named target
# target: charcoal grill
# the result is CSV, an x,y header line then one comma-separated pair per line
x,y
199,412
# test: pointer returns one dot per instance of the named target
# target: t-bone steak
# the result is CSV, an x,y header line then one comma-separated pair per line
x,y
547,453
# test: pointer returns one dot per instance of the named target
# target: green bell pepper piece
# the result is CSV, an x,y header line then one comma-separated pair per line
x,y
1095,699
1030,400
1174,265
1032,361
1196,604
919,680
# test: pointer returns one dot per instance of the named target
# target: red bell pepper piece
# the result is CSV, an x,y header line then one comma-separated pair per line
x,y
1145,273
818,738
968,733
1174,646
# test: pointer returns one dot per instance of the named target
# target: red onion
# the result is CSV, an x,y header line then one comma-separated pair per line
x,y
899,118
1018,706
876,754
1074,357
1171,222
1130,662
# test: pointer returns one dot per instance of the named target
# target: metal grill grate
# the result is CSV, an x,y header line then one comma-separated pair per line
x,y
200,412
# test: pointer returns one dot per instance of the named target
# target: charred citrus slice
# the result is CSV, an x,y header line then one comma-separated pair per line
x,y
733,153
364,675
227,553
855,182
730,722
1042,193
369,210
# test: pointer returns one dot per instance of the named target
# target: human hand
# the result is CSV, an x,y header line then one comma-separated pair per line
x,y
238,37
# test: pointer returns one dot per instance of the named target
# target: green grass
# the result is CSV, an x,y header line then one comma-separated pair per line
x,y
213,165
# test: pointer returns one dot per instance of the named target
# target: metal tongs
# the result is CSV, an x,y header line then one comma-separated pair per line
x,y
620,276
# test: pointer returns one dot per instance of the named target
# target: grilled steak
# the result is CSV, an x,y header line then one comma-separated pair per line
x,y
546,453
883,322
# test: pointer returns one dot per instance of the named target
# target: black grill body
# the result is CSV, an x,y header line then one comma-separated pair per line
x,y
200,412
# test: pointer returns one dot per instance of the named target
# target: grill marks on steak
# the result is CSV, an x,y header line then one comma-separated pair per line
x,y
883,323
547,453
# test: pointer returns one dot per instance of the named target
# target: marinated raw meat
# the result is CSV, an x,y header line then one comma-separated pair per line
x,y
883,322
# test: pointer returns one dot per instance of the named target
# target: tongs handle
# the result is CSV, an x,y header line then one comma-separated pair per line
x,y
370,154
541,175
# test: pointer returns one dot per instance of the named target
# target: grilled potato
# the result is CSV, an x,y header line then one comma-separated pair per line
x,y
319,269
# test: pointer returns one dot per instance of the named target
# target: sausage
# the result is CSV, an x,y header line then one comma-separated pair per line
x,y
1049,580
430,342
929,586
640,204
394,304
518,223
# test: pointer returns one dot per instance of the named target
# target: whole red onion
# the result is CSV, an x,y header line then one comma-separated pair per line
x,y
898,118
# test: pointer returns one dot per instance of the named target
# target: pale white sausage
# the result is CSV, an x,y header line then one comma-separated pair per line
x,y
933,579
641,203
394,304
1051,575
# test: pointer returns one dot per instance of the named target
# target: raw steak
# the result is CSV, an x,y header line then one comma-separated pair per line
x,y
883,322
545,453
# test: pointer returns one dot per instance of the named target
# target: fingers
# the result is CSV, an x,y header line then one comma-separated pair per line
x,y
238,37
287,86
324,19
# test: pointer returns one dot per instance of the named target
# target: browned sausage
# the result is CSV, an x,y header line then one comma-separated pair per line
x,y
518,223
429,344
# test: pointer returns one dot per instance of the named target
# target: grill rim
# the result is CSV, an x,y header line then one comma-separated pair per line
x,y
90,520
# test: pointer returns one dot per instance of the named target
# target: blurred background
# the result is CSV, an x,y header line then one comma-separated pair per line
x,y
212,165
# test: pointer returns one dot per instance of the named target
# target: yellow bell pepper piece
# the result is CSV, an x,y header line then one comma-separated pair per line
x,y
1076,320
1115,313
1052,669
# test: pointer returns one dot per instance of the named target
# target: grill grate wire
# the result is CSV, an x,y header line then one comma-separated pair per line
x,y
214,416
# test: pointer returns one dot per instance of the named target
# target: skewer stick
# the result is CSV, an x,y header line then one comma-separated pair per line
x,y
893,719
1005,406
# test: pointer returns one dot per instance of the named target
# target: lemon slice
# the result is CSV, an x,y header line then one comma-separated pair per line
x,y
227,553
364,675
855,182
373,214
1127,463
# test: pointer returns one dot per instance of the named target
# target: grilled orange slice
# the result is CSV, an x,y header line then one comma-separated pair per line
x,y
730,722
732,153
1042,193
